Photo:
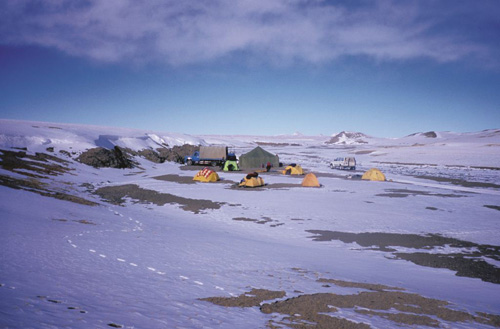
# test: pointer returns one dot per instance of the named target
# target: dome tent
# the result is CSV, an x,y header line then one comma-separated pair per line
x,y
231,165
258,158
310,180
373,174
206,175
252,180
293,169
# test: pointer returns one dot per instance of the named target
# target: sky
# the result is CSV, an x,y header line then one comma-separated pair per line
x,y
253,67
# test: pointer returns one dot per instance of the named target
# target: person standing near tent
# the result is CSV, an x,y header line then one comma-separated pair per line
x,y
268,166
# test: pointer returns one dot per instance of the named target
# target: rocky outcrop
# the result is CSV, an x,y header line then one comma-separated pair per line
x,y
117,157
100,157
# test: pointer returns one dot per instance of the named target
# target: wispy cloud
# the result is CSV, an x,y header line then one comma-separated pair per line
x,y
279,31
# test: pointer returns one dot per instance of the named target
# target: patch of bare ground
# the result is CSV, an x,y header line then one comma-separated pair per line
x,y
459,182
330,310
176,179
492,206
469,262
117,195
362,285
364,152
403,193
38,165
407,163
276,186
263,220
35,186
81,221
187,179
249,299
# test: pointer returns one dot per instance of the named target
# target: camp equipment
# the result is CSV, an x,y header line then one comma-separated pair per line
x,y
231,165
258,158
206,175
373,174
252,180
310,180
293,169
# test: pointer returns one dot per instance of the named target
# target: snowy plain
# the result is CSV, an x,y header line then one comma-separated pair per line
x,y
145,265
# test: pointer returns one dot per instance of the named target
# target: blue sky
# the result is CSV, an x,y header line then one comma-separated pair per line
x,y
385,68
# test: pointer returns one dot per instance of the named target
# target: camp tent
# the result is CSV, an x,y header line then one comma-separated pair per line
x,y
206,175
252,180
258,158
310,180
231,165
293,169
373,174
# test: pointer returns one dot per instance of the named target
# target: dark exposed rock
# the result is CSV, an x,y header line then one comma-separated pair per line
x,y
100,157
117,157
430,134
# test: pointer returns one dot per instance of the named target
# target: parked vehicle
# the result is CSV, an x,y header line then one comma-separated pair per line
x,y
209,155
348,163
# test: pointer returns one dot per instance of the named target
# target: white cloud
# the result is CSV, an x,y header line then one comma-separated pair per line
x,y
280,31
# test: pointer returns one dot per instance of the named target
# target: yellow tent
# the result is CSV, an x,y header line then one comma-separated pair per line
x,y
252,180
293,169
373,174
310,180
206,175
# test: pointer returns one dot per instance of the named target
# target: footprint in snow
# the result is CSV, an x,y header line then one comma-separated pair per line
x,y
120,260
198,283
55,301
183,277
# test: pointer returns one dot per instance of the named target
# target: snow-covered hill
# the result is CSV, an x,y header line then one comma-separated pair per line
x,y
147,247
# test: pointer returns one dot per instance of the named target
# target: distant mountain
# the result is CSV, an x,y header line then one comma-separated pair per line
x,y
429,134
348,138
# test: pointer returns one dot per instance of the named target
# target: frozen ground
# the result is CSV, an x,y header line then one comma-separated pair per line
x,y
147,248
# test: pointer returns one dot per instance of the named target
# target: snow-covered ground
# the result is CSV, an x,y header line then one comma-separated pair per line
x,y
147,264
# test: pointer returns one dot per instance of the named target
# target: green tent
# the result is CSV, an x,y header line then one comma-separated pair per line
x,y
230,165
258,158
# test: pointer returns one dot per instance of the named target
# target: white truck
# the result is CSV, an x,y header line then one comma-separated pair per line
x,y
347,163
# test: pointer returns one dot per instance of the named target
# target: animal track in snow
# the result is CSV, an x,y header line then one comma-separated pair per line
x,y
55,301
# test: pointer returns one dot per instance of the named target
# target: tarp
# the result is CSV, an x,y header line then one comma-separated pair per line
x,y
373,174
230,165
293,169
252,180
258,158
310,180
206,175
